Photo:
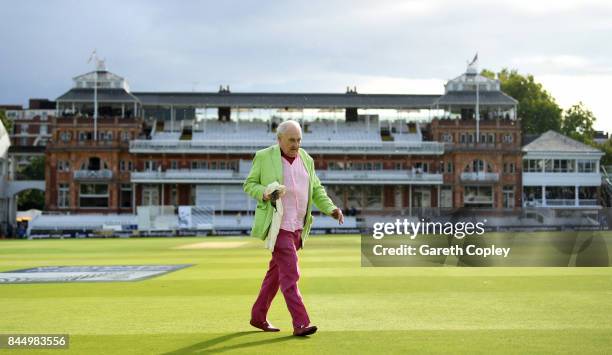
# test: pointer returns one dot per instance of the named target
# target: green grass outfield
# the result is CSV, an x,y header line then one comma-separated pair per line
x,y
206,307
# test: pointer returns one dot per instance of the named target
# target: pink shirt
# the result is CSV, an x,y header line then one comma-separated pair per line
x,y
295,201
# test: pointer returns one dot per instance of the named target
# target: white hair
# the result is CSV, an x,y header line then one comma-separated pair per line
x,y
282,128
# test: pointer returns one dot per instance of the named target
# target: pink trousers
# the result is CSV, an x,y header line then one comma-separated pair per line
x,y
283,272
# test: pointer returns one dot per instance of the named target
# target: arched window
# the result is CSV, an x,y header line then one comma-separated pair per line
x,y
94,164
478,166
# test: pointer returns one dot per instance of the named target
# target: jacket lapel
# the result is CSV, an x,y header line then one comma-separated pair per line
x,y
310,172
278,165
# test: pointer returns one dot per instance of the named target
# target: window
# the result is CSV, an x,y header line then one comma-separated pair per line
x,y
122,165
150,165
150,195
478,165
86,136
587,166
558,166
507,138
199,164
449,167
126,196
532,195
508,196
192,195
130,166
533,165
421,167
63,165
373,196
125,136
478,196
24,128
93,196
447,138
446,197
43,129
462,138
63,196
173,195
65,136
491,138
174,164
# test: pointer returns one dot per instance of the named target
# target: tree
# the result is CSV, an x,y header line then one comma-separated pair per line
x,y
578,123
8,124
32,198
537,109
35,170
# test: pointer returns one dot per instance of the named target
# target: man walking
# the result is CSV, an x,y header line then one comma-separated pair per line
x,y
286,163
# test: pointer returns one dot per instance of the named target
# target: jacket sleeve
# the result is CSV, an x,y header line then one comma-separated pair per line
x,y
252,185
319,195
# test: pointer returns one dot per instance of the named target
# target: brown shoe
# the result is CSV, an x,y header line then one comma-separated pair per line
x,y
304,331
265,326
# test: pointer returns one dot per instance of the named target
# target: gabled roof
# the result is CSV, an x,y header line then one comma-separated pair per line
x,y
553,142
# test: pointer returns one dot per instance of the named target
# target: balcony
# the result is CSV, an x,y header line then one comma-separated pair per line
x,y
93,175
561,179
335,177
479,177
250,146
560,203
377,177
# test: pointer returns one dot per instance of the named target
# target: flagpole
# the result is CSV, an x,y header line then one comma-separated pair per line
x,y
96,104
477,112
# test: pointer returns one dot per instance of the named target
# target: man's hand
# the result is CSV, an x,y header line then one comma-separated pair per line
x,y
273,196
337,215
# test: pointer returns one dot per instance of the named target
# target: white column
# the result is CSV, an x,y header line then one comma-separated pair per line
x,y
172,118
122,110
133,199
162,195
576,196
543,196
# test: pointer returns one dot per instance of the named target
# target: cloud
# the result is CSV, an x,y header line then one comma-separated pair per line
x,y
382,46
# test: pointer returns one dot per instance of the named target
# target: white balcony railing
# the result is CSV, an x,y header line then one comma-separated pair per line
x,y
326,176
250,146
480,176
104,174
562,203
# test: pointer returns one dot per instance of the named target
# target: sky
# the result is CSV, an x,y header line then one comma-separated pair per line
x,y
402,47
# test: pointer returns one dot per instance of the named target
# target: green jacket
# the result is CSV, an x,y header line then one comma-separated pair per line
x,y
267,168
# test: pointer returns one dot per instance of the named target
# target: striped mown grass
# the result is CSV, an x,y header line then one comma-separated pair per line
x,y
205,308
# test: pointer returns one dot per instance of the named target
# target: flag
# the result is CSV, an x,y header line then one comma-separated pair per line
x,y
92,56
474,60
